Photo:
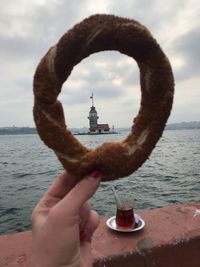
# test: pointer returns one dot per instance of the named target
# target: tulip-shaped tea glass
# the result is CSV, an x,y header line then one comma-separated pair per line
x,y
125,210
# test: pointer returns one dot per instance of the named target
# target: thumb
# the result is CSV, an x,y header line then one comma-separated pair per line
x,y
79,194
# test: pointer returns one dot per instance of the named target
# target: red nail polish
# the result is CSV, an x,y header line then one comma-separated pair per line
x,y
95,174
82,235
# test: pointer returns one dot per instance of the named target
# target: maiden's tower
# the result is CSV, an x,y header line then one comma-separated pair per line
x,y
94,127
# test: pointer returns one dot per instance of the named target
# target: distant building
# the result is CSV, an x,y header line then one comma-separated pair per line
x,y
94,127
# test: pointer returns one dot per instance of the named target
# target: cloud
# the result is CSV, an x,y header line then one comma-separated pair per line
x,y
29,28
187,48
107,74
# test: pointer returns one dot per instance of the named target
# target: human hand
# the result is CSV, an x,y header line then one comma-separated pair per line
x,y
63,223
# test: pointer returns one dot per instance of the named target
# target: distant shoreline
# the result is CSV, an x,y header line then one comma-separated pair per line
x,y
32,130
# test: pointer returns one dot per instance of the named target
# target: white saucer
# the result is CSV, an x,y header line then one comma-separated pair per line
x,y
111,223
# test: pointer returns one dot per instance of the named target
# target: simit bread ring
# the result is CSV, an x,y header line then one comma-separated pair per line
x,y
94,34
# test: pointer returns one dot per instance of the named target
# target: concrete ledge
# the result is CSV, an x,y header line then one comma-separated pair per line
x,y
15,249
171,238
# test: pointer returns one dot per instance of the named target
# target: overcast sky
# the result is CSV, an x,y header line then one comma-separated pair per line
x,y
29,28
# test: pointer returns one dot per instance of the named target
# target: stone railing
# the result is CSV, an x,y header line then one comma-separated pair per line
x,y
170,238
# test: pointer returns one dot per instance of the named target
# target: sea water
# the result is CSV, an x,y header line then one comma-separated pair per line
x,y
27,168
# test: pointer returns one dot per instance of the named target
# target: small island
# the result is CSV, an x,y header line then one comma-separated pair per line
x,y
94,126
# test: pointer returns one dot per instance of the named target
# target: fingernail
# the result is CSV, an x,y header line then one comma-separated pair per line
x,y
95,174
82,235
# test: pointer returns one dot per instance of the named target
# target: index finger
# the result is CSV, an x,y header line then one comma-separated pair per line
x,y
62,185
